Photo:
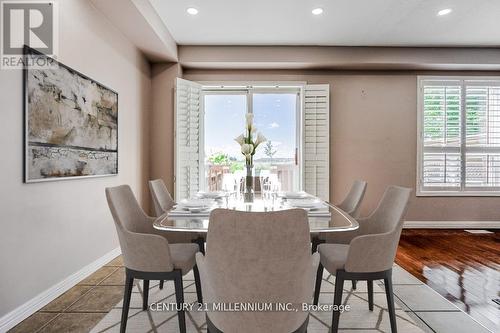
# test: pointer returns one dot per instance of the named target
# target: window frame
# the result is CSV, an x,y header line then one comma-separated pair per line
x,y
463,191
249,89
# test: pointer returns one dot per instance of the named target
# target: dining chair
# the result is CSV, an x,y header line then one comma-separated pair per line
x,y
350,205
163,202
257,258
147,254
352,201
370,255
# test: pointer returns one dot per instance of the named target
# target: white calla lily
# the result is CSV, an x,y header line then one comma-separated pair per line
x,y
240,139
249,118
260,138
247,149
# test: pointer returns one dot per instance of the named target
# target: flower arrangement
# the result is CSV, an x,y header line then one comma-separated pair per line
x,y
250,140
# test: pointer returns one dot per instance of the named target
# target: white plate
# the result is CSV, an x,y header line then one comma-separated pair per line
x,y
197,209
295,195
306,203
196,203
211,195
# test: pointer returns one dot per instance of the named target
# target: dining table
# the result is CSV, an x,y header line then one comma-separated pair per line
x,y
192,215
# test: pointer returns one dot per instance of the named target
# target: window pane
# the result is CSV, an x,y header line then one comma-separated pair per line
x,y
483,116
441,116
483,136
441,170
483,170
224,121
275,117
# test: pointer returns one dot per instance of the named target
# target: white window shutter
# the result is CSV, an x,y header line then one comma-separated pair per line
x,y
187,138
317,140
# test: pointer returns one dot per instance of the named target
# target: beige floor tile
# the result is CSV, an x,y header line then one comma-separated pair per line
x,y
33,322
73,322
451,322
117,278
422,298
99,299
65,300
118,261
98,276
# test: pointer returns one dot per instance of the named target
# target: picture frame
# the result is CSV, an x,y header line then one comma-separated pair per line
x,y
70,123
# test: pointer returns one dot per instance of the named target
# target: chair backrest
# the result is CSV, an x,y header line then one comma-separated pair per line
x,y
352,201
258,257
125,209
390,210
141,250
162,199
376,250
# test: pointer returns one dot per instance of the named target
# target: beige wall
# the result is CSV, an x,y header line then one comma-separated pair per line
x,y
51,230
373,137
162,123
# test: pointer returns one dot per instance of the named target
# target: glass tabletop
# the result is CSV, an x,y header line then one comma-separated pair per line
x,y
323,216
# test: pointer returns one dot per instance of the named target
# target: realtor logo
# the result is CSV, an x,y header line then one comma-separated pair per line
x,y
32,23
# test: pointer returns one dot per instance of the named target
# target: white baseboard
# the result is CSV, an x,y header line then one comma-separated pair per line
x,y
22,312
452,225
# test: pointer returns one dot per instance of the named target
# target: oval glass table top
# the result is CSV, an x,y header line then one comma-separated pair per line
x,y
193,215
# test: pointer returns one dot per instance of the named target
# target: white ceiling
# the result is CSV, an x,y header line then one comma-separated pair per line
x,y
343,23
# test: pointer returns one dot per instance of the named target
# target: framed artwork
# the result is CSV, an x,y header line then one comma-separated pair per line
x,y
70,123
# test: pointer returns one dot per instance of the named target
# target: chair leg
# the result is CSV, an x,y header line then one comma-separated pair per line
x,y
314,244
370,294
179,297
390,301
197,282
145,293
201,244
161,284
129,282
319,279
337,300
354,284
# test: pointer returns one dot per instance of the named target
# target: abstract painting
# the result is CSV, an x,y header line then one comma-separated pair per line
x,y
71,124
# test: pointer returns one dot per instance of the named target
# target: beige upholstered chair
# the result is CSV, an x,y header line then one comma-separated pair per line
x,y
163,202
352,201
257,258
350,205
147,255
370,255
162,199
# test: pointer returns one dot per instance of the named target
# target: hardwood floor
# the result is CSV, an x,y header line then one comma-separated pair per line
x,y
463,267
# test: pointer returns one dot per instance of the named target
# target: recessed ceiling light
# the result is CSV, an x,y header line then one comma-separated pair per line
x,y
444,12
317,11
192,11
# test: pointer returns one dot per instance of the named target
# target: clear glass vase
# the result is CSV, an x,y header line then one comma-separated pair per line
x,y
249,179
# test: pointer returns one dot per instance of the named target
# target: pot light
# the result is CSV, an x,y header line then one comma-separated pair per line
x,y
444,12
317,11
192,11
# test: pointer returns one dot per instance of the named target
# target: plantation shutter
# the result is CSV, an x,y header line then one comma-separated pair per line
x,y
460,135
187,138
482,140
441,135
317,140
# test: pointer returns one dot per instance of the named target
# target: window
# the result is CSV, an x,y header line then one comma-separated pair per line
x,y
293,116
459,136
275,115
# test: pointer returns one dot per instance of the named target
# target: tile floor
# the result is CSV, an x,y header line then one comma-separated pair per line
x,y
83,306
358,319
97,301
